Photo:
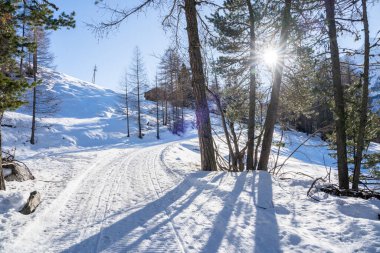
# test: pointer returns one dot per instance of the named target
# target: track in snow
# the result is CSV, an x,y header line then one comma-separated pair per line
x,y
110,209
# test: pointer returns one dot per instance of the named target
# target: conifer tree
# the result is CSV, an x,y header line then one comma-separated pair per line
x,y
11,89
237,25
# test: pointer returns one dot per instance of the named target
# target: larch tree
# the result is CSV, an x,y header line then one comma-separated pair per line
x,y
42,16
138,78
169,68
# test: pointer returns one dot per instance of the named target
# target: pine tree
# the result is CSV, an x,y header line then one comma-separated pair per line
x,y
11,89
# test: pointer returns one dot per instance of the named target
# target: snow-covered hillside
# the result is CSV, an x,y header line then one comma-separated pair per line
x,y
104,192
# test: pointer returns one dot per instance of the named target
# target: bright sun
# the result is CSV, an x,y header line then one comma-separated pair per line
x,y
270,56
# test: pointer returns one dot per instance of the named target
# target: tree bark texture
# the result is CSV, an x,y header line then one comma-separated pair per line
x,y
208,161
340,124
252,90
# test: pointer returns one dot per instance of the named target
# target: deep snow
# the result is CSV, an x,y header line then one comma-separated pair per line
x,y
104,192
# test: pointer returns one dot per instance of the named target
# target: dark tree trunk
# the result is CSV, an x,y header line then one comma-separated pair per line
x,y
252,90
206,146
139,109
32,137
163,113
275,95
258,142
157,112
127,106
166,108
2,181
364,102
182,120
338,96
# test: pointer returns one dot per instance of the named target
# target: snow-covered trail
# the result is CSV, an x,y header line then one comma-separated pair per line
x,y
86,215
149,199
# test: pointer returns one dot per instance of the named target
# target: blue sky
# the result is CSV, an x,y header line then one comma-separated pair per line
x,y
77,50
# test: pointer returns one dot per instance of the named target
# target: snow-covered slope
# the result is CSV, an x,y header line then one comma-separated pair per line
x,y
88,115
104,192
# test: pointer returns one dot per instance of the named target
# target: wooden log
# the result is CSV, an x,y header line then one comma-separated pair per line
x,y
32,204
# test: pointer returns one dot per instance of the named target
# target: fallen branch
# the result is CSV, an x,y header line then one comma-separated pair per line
x,y
300,145
312,186
7,125
364,194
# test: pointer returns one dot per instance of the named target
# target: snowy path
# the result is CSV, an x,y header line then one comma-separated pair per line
x,y
149,199
117,184
103,192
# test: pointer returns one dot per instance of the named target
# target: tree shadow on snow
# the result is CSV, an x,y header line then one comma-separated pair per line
x,y
266,228
118,236
221,222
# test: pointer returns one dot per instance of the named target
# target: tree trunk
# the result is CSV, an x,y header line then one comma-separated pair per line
x,y
225,129
138,98
364,102
279,149
258,142
2,181
157,114
206,146
338,96
166,106
252,90
127,106
32,137
275,95
163,113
